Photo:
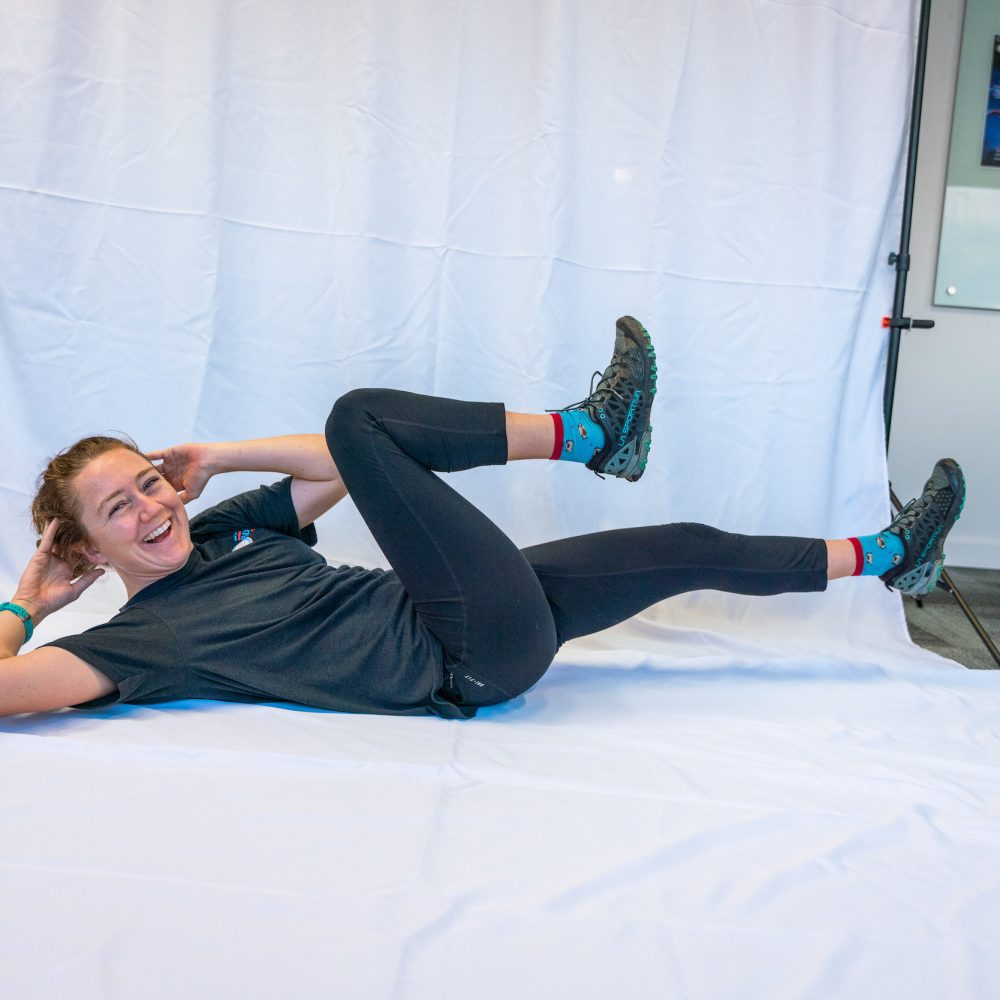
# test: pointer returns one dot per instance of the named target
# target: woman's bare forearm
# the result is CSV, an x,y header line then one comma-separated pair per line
x,y
316,483
303,456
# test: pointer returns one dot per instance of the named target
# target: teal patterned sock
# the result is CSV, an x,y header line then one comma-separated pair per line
x,y
577,436
877,554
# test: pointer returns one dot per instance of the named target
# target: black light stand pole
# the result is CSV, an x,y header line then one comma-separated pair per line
x,y
897,321
901,259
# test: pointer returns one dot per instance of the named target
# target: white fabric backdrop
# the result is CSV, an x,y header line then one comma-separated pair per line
x,y
214,218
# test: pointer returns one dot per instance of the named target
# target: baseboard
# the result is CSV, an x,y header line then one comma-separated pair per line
x,y
972,553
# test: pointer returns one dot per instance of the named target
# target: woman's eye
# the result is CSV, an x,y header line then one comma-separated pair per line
x,y
150,482
117,507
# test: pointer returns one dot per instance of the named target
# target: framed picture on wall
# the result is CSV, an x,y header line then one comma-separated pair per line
x,y
991,131
969,248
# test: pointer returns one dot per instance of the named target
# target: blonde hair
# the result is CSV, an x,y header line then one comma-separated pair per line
x,y
56,497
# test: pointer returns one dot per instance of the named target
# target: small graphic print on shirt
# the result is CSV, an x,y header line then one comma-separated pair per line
x,y
242,538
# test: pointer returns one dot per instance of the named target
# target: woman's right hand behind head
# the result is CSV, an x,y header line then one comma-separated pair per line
x,y
47,583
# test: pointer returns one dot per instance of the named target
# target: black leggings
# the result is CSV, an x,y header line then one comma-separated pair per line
x,y
499,612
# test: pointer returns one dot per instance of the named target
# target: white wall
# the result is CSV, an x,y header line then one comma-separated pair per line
x,y
948,383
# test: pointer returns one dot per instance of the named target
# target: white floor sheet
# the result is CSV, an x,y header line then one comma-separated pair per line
x,y
214,218
701,822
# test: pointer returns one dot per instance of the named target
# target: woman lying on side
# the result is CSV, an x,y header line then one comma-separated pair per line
x,y
235,604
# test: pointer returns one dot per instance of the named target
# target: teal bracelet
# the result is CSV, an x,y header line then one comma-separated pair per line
x,y
23,615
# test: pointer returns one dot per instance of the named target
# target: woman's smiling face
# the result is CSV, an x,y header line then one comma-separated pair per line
x,y
133,519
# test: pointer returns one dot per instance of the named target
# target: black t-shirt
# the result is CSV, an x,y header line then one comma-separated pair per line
x,y
257,615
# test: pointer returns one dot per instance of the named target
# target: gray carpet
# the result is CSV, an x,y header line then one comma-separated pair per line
x,y
941,626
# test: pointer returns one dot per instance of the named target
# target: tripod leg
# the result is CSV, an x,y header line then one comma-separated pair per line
x,y
949,585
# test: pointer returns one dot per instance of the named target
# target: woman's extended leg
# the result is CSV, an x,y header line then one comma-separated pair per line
x,y
598,580
595,581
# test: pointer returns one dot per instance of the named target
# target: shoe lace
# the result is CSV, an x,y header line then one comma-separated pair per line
x,y
607,389
924,513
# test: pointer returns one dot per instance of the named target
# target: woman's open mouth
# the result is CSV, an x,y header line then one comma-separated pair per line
x,y
161,533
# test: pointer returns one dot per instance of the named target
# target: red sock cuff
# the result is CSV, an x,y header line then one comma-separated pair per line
x,y
859,555
557,445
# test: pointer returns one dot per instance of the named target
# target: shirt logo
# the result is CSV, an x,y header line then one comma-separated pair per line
x,y
242,539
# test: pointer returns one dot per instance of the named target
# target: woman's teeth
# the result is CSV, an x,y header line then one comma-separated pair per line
x,y
160,531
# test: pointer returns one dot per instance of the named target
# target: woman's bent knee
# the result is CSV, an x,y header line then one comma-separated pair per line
x,y
352,407
353,411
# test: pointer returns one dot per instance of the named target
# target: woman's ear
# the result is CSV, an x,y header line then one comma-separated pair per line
x,y
90,553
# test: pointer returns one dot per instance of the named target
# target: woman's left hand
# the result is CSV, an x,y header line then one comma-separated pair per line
x,y
187,467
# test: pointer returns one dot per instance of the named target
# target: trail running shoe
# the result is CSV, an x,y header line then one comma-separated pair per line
x,y
923,524
621,403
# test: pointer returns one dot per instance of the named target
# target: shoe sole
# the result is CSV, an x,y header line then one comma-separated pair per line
x,y
635,455
923,578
